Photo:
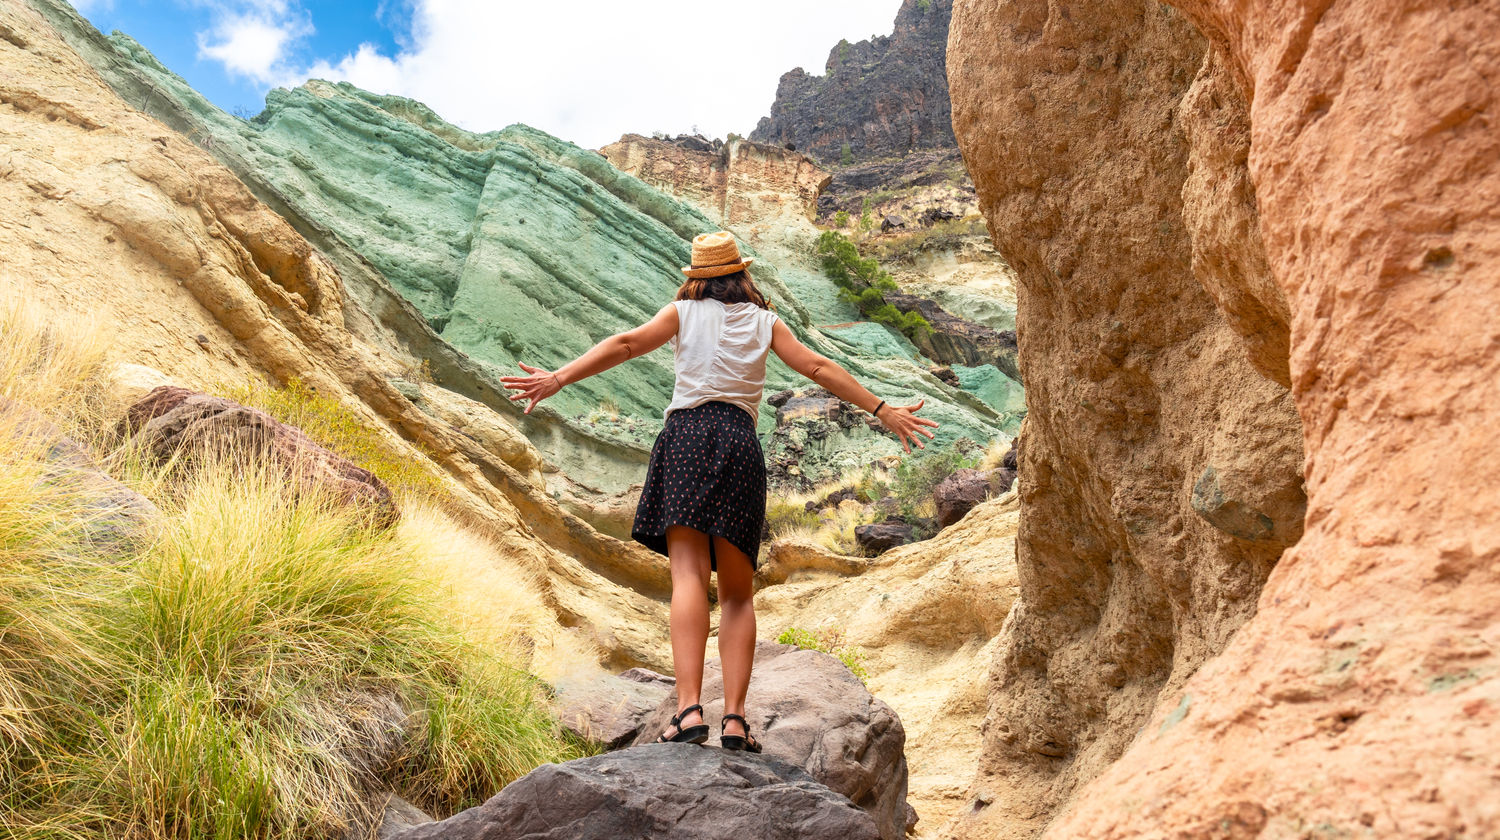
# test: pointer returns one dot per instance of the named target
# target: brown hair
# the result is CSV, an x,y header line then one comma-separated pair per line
x,y
728,288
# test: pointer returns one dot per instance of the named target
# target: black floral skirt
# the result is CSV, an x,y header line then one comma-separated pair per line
x,y
707,472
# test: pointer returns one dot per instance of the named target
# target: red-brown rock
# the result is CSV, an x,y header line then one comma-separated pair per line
x,y
1363,696
179,421
957,494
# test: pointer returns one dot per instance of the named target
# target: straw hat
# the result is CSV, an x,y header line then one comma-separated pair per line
x,y
714,255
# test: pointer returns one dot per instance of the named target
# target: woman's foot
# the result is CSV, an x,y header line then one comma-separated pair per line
x,y
734,734
687,727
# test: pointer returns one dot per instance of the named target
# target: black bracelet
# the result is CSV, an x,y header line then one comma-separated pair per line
x,y
876,412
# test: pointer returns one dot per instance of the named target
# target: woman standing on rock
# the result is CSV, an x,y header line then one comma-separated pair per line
x,y
704,499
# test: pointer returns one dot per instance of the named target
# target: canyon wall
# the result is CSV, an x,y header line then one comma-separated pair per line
x,y
109,215
1296,193
880,98
1160,470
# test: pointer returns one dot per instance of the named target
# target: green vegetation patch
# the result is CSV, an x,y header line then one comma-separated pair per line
x,y
830,642
863,283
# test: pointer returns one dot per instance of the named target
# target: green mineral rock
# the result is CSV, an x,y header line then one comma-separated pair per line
x,y
475,251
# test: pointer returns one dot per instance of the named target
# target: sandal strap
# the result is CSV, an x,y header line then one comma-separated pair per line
x,y
740,718
677,718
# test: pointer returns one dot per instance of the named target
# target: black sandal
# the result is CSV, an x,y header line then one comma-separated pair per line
x,y
692,735
738,742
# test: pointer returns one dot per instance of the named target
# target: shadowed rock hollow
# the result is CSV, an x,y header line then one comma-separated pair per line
x,y
1306,196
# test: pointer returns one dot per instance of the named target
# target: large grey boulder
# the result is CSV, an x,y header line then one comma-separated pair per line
x,y
610,709
806,708
661,792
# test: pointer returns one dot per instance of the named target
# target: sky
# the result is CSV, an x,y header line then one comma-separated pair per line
x,y
584,70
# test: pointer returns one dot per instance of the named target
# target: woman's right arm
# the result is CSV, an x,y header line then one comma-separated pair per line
x,y
899,419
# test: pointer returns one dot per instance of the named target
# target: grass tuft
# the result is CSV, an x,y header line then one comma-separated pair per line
x,y
831,642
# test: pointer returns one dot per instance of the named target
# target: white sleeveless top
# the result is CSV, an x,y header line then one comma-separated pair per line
x,y
720,351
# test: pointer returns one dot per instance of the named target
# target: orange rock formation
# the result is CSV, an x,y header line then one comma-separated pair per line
x,y
1321,202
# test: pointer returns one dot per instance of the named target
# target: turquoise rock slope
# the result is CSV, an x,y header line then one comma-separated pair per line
x,y
478,250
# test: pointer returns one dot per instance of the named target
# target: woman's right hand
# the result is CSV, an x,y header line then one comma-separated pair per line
x,y
903,420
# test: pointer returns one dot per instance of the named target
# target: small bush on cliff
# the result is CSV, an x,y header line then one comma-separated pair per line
x,y
864,283
841,219
831,642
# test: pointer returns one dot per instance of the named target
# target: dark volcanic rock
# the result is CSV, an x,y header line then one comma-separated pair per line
x,y
880,98
958,341
178,421
662,792
807,708
957,494
882,536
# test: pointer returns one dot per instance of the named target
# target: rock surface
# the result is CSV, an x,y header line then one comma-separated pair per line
x,y
1364,697
927,618
609,710
880,537
114,518
1137,382
137,227
456,253
957,494
806,708
739,182
879,98
178,423
1361,698
665,791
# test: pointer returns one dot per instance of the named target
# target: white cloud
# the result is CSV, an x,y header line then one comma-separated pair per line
x,y
252,38
590,70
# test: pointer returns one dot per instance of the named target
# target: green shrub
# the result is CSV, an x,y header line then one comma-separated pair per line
x,y
863,283
846,155
830,642
841,219
924,5
919,474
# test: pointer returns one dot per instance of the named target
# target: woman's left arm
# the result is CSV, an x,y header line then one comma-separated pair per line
x,y
540,384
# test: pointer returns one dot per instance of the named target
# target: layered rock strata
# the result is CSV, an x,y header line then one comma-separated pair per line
x,y
1138,385
136,227
1358,166
471,252
877,99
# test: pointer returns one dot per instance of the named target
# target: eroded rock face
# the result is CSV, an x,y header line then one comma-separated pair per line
x,y
739,182
139,227
880,98
1364,696
806,708
667,791
1137,381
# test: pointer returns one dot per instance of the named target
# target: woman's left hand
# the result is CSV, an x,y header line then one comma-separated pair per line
x,y
536,386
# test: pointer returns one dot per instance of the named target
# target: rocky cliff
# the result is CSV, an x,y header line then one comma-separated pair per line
x,y
880,98
1202,210
477,251
111,215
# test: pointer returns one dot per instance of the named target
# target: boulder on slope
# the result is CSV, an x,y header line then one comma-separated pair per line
x,y
177,420
660,791
807,708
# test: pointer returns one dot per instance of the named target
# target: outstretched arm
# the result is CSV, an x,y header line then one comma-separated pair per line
x,y
540,384
898,418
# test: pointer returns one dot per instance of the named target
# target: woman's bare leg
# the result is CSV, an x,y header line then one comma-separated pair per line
x,y
736,628
687,550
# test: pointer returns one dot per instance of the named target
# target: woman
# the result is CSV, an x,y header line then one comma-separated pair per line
x,y
704,499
